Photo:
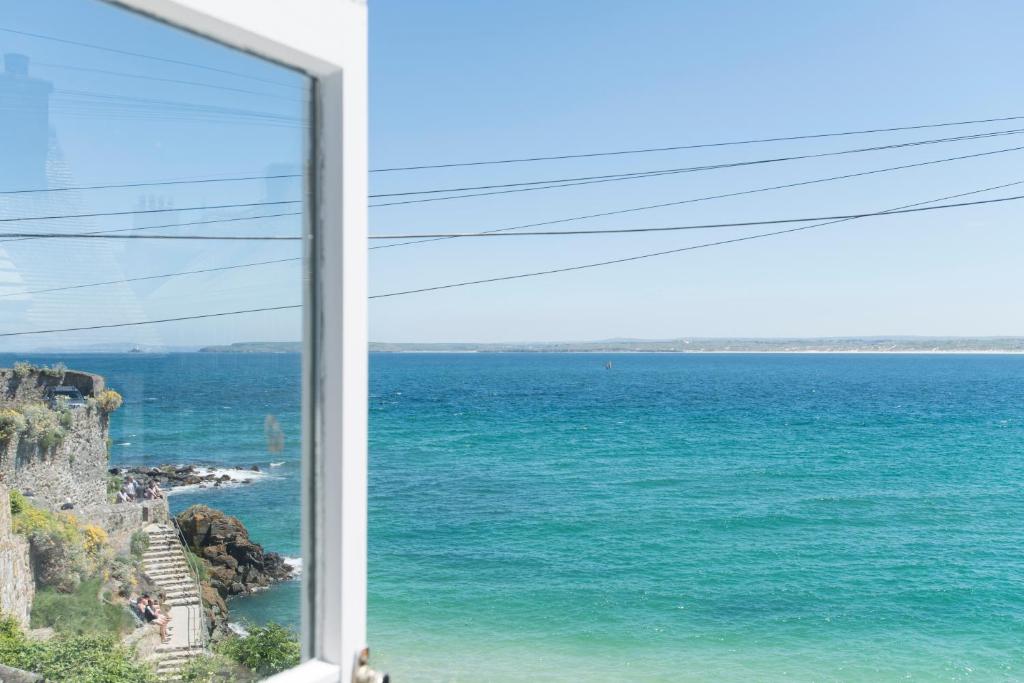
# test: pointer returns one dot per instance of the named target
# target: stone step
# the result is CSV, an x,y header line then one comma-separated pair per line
x,y
169,574
183,602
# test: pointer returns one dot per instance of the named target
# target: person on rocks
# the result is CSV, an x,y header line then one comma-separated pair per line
x,y
122,496
153,492
130,488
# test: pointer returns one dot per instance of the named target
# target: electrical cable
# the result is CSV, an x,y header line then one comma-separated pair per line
x,y
648,255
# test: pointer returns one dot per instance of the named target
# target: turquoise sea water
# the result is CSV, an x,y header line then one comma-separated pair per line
x,y
678,517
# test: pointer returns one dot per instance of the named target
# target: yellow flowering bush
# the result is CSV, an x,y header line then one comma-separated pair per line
x,y
109,400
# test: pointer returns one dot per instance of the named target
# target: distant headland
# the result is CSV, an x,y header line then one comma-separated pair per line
x,y
879,344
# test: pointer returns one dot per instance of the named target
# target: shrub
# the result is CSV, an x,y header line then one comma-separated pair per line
x,y
18,502
58,549
266,650
23,369
80,612
57,370
139,543
95,539
109,400
66,419
76,659
42,426
212,669
11,422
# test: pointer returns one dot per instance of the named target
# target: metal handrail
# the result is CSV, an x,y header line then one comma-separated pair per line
x,y
203,631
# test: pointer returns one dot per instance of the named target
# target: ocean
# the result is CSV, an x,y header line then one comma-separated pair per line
x,y
673,518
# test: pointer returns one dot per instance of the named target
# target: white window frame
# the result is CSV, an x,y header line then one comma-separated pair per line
x,y
326,40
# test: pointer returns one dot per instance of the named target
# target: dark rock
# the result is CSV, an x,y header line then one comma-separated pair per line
x,y
255,468
236,564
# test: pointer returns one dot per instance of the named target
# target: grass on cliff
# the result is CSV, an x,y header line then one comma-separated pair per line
x,y
72,659
81,612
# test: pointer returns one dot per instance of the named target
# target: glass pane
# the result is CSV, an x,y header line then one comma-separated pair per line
x,y
151,283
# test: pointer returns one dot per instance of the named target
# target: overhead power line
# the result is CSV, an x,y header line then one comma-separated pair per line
x,y
179,62
95,236
694,247
34,235
150,322
150,277
145,77
142,211
714,196
647,150
590,180
673,228
154,183
686,169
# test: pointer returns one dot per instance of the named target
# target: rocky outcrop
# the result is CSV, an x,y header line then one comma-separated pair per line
x,y
17,586
171,476
236,565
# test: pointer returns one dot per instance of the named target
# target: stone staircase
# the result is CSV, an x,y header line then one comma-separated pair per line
x,y
164,563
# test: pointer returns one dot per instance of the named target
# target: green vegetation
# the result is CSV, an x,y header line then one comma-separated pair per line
x,y
63,552
42,425
23,369
11,422
18,502
213,669
139,543
266,650
198,565
80,612
114,484
72,659
109,400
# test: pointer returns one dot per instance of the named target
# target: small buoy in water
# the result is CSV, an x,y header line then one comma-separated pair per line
x,y
608,365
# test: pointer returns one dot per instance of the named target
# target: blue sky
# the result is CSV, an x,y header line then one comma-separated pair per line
x,y
456,81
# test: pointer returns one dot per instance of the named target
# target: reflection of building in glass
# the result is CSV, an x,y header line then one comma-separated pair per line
x,y
24,126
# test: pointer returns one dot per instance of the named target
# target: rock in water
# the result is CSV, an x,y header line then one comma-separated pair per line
x,y
237,565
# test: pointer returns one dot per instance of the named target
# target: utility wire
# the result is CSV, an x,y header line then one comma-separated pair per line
x,y
140,211
69,235
672,228
589,180
154,183
694,247
714,196
127,53
694,146
95,236
150,277
198,84
151,322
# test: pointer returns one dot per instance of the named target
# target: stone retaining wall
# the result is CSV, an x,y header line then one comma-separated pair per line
x,y
17,586
77,468
121,520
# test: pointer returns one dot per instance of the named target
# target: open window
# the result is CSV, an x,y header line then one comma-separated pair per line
x,y
256,247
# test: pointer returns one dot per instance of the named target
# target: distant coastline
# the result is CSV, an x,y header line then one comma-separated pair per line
x,y
917,345
920,345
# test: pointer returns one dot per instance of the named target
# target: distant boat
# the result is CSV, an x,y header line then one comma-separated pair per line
x,y
608,365
136,349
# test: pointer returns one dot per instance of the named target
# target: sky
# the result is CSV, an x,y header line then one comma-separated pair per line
x,y
467,81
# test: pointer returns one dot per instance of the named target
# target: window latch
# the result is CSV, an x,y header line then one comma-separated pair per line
x,y
364,674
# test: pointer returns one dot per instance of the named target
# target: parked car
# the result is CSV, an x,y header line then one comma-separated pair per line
x,y
72,394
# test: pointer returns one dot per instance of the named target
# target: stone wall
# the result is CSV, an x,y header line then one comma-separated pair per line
x,y
121,520
77,468
33,386
17,587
